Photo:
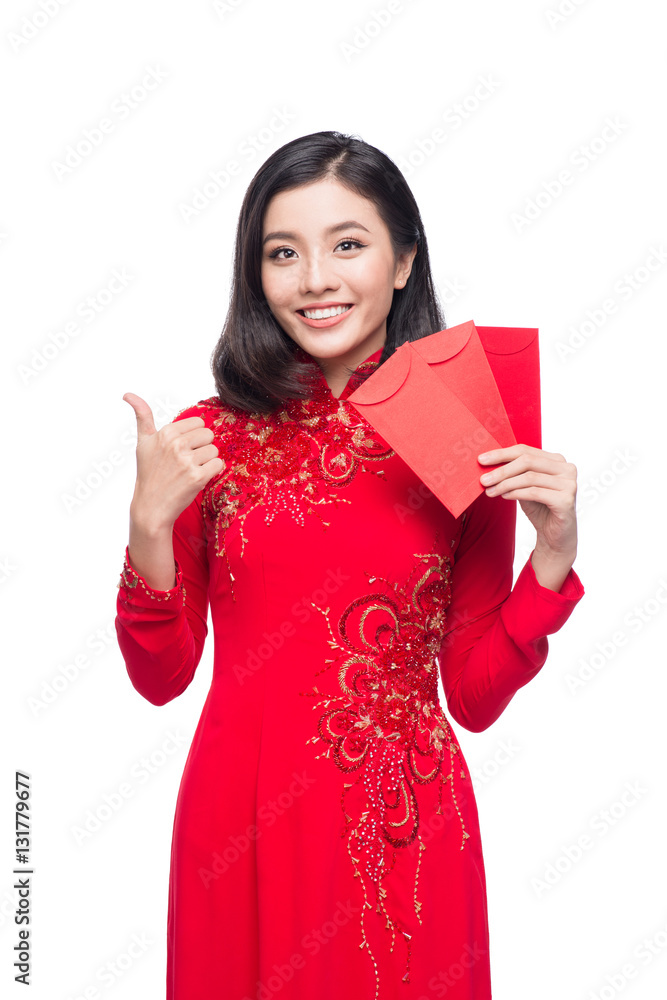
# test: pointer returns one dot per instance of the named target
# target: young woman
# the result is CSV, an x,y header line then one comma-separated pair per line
x,y
326,840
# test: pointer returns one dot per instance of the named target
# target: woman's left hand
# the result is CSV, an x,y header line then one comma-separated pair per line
x,y
546,487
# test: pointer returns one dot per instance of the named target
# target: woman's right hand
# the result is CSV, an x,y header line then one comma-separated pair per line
x,y
173,465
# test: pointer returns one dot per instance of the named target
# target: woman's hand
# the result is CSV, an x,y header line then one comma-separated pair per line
x,y
546,487
173,465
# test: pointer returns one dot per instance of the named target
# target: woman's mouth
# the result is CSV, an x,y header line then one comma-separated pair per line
x,y
324,317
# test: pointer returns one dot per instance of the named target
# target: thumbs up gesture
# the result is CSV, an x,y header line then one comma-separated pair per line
x,y
173,465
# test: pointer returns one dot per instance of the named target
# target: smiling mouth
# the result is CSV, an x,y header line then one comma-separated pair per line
x,y
324,313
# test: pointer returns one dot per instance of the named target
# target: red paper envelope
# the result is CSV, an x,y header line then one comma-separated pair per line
x,y
458,358
435,401
513,353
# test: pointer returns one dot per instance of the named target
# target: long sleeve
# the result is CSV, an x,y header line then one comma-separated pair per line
x,y
497,640
161,633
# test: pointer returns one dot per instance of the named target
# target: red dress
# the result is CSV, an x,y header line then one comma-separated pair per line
x,y
326,841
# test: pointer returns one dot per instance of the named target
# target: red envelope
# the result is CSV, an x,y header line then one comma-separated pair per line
x,y
513,354
435,401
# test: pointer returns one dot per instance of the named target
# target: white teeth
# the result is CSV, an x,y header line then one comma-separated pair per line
x,y
324,313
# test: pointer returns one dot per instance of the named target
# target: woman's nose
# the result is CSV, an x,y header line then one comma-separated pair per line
x,y
317,276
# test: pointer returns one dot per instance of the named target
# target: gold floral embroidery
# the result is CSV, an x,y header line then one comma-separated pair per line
x,y
295,460
130,579
385,725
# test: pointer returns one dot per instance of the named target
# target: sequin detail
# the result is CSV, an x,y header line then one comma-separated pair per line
x,y
296,460
130,579
387,730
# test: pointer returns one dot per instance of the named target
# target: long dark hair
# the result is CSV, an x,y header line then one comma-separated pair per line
x,y
253,361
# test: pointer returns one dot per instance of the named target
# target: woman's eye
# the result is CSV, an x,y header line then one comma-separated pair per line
x,y
346,244
350,242
274,253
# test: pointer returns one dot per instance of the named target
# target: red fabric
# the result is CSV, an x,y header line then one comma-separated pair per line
x,y
326,840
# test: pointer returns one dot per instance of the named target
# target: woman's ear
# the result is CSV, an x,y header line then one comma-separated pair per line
x,y
404,266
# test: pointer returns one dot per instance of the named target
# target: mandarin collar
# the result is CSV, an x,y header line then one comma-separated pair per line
x,y
321,385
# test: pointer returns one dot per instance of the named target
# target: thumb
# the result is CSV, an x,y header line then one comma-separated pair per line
x,y
143,413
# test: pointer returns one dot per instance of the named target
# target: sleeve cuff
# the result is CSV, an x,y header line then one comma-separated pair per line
x,y
532,611
134,589
571,589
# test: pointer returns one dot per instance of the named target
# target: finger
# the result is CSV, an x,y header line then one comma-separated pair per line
x,y
513,451
553,499
533,479
212,468
191,437
204,455
143,413
188,423
540,462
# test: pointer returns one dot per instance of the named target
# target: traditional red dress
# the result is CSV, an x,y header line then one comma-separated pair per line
x,y
326,841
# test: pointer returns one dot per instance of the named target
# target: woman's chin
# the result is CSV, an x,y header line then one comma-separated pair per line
x,y
325,346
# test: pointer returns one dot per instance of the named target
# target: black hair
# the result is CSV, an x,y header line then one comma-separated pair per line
x,y
253,361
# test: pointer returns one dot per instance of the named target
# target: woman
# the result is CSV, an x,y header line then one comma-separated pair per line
x,y
326,840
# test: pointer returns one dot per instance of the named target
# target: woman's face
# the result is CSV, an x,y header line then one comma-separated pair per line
x,y
326,247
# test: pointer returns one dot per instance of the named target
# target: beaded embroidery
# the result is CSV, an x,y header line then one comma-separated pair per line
x,y
293,460
387,727
130,579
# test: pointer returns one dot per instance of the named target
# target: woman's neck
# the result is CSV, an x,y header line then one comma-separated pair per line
x,y
337,372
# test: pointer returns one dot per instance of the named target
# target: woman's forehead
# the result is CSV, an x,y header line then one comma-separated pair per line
x,y
324,204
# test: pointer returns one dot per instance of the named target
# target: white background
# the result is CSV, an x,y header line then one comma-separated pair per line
x,y
554,81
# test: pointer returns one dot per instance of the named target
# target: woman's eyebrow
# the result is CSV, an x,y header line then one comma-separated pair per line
x,y
350,224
